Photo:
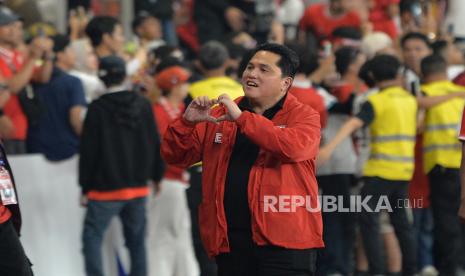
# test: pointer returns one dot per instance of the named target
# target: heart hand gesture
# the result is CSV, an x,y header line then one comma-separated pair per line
x,y
199,110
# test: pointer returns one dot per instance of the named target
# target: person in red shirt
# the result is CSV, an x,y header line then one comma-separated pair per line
x,y
382,14
320,20
256,151
173,83
169,238
18,71
302,87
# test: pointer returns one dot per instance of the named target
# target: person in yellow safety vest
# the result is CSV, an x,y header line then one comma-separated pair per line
x,y
213,57
444,102
390,115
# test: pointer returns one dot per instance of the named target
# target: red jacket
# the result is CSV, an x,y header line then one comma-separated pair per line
x,y
309,96
285,166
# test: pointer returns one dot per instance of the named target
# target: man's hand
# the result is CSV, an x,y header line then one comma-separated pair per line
x,y
199,110
4,97
156,188
324,154
233,111
39,46
83,200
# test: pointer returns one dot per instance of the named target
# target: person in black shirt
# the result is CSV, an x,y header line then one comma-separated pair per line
x,y
119,155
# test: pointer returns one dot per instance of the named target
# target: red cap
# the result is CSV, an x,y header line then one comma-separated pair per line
x,y
171,76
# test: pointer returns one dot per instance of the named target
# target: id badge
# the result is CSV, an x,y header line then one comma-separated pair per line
x,y
7,191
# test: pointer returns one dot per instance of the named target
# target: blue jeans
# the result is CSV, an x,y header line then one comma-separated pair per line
x,y
423,228
98,216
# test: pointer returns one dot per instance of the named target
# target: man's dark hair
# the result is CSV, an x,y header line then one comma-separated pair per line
x,y
288,63
345,56
98,26
169,62
433,64
366,75
243,63
408,6
236,51
347,32
139,20
415,35
308,58
213,55
60,42
163,51
384,67
439,47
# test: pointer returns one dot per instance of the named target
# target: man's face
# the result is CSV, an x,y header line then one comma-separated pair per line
x,y
262,77
67,57
115,41
7,34
336,7
181,90
18,32
151,29
414,51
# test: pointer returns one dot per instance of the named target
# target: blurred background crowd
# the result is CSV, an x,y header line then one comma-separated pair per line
x,y
177,50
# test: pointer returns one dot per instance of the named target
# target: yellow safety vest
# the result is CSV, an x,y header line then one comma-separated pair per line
x,y
392,135
214,87
442,125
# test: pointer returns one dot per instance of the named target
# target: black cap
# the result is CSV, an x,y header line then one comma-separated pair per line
x,y
112,69
7,16
60,42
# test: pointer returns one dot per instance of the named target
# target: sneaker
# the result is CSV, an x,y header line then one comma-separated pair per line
x,y
429,271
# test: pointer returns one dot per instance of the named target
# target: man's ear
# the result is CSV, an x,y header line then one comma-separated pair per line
x,y
287,82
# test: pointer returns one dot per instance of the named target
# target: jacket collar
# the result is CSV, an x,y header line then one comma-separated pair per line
x,y
287,103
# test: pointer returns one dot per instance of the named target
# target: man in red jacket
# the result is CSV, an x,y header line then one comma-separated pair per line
x,y
258,156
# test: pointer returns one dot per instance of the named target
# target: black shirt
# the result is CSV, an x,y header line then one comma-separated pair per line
x,y
243,156
366,114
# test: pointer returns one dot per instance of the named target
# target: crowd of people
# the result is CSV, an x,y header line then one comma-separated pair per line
x,y
214,105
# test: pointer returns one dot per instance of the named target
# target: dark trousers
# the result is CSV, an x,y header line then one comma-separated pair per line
x,y
248,259
423,227
98,217
445,202
396,194
338,227
194,198
13,260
